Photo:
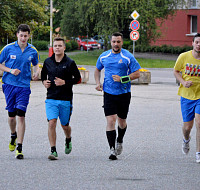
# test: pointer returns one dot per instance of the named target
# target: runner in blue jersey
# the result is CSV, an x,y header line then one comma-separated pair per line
x,y
120,68
18,57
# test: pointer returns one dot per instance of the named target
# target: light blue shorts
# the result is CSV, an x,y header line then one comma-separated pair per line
x,y
189,108
59,108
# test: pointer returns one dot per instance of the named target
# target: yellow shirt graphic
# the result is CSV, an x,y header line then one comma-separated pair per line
x,y
190,68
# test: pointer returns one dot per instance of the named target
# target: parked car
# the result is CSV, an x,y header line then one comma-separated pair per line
x,y
100,40
87,44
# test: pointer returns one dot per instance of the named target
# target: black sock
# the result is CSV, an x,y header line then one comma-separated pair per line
x,y
19,147
111,136
121,133
13,137
68,140
53,149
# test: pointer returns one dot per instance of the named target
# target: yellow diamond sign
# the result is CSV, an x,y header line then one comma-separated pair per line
x,y
135,15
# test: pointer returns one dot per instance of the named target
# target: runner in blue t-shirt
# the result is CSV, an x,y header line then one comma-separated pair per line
x,y
18,57
120,68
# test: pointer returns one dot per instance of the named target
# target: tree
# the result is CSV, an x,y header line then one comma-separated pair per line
x,y
105,17
58,5
15,12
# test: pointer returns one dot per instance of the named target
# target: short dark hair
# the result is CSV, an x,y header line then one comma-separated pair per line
x,y
117,34
196,35
23,28
59,39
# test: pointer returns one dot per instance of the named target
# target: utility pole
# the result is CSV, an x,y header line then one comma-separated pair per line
x,y
51,28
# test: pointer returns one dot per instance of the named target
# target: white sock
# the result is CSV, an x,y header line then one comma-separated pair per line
x,y
186,141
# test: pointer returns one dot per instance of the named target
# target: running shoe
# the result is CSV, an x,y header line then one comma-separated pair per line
x,y
68,148
12,145
119,148
198,158
53,156
19,155
112,154
186,146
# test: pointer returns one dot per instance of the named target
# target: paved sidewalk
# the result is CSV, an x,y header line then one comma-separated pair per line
x,y
151,160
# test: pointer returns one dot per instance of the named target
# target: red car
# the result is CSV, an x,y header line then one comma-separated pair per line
x,y
87,44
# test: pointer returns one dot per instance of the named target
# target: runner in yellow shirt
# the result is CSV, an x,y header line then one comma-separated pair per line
x,y
187,72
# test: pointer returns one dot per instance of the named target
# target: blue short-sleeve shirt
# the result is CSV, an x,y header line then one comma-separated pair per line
x,y
121,64
14,58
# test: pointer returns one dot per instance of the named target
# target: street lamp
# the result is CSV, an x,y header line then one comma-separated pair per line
x,y
51,28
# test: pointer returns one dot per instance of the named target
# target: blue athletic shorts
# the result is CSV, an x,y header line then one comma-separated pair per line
x,y
16,97
59,108
189,108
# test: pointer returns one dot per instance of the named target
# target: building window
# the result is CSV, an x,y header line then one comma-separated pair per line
x,y
193,24
194,3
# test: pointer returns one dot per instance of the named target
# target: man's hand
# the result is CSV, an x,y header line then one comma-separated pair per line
x,y
99,87
47,83
35,76
187,84
59,82
15,72
116,78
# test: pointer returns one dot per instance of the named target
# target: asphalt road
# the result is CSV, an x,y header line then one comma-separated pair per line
x,y
151,160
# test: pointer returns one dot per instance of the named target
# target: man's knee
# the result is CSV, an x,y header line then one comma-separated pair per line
x,y
52,123
188,125
122,123
111,119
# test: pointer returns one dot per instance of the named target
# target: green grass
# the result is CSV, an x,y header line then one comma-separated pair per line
x,y
86,58
155,63
43,57
90,58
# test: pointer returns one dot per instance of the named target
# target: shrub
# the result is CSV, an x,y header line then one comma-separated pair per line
x,y
68,46
163,49
74,45
137,48
130,48
127,43
41,45
1,46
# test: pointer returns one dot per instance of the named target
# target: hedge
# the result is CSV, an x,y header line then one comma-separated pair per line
x,y
161,49
43,45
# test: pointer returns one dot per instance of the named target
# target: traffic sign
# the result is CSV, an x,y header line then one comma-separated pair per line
x,y
135,15
135,25
134,35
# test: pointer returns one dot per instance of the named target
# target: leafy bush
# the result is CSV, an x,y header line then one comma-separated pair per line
x,y
41,45
74,45
162,49
68,46
1,46
127,43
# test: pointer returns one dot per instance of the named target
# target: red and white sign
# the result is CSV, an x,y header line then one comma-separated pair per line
x,y
135,25
134,35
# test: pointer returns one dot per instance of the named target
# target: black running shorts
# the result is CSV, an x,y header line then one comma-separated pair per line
x,y
117,104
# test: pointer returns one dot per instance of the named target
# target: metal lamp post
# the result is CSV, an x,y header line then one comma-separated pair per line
x,y
51,28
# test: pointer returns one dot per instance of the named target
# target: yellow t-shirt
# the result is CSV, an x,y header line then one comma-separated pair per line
x,y
190,68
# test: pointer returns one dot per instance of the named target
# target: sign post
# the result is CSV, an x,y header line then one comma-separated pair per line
x,y
134,25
